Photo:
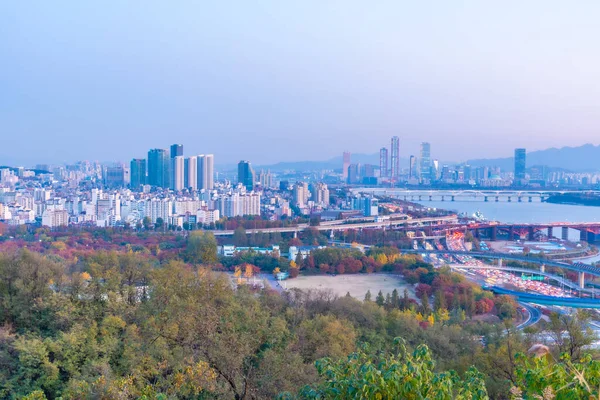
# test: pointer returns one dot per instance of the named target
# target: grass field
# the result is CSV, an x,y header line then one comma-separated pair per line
x,y
357,285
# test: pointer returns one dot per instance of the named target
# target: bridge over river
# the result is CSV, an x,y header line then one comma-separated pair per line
x,y
481,194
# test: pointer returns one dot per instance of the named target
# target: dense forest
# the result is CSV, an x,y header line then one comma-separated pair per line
x,y
131,323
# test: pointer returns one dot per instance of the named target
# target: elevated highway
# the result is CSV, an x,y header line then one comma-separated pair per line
x,y
332,226
574,302
557,278
580,268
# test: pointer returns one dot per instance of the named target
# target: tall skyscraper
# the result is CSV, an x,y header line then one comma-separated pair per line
x,y
425,161
354,173
177,172
345,164
467,173
191,173
206,171
395,159
412,167
176,150
158,168
138,173
383,162
114,176
520,163
210,171
246,175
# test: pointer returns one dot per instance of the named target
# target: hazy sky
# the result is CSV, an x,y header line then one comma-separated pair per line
x,y
295,80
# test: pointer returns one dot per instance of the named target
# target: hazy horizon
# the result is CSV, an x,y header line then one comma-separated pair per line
x,y
273,81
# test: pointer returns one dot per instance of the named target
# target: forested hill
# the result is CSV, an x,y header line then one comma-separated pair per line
x,y
160,323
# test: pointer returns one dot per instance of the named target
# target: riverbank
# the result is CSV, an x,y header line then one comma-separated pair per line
x,y
581,199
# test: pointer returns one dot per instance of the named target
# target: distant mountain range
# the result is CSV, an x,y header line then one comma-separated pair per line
x,y
584,158
333,163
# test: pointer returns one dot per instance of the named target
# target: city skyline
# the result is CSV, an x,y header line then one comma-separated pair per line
x,y
108,87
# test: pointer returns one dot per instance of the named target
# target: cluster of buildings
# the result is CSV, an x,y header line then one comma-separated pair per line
x,y
424,170
167,169
389,170
112,207
170,189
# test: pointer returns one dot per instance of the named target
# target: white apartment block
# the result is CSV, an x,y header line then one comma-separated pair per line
x,y
55,218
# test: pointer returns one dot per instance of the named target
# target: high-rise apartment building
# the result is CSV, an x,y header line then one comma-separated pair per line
x,y
191,173
236,204
320,194
300,194
265,179
246,175
177,173
383,162
158,168
138,173
346,157
114,176
176,150
210,171
395,158
425,162
206,171
520,163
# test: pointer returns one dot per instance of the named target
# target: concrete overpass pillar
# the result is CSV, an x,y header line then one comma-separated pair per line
x,y
581,280
519,199
499,262
565,233
477,233
496,199
530,199
493,232
419,198
295,234
442,198
511,233
485,198
542,268
531,233
430,198
583,235
452,198
550,232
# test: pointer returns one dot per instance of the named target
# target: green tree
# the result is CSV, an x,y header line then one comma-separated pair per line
x,y
540,376
572,333
368,295
201,248
147,222
395,302
397,376
240,238
439,301
380,300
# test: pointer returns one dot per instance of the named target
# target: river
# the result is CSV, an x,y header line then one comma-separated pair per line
x,y
521,213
